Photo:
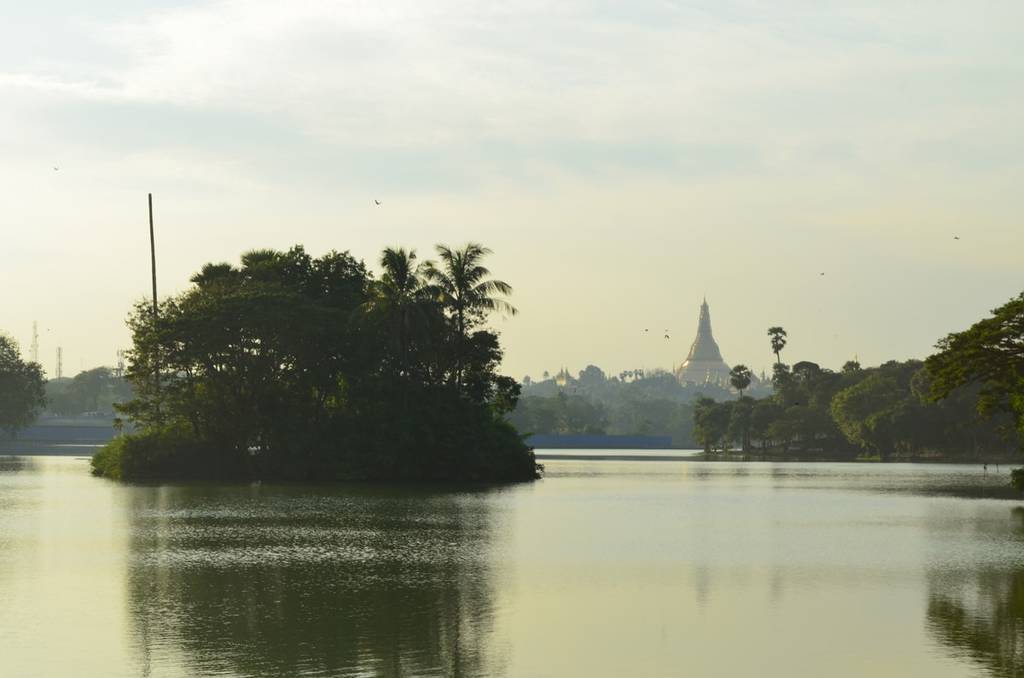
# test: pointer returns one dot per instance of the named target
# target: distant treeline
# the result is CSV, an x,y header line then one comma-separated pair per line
x,y
965,402
92,391
885,412
635,402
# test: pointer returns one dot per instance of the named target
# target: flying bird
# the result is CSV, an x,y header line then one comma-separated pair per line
x,y
666,336
376,202
56,169
956,237
822,273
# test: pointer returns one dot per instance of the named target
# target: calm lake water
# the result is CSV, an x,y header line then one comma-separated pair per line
x,y
604,568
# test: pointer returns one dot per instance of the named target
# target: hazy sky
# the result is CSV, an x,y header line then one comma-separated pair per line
x,y
622,159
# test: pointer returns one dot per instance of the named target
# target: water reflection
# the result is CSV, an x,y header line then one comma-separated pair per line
x,y
979,615
317,582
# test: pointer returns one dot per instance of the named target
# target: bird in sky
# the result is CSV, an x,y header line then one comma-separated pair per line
x,y
56,169
647,330
956,237
666,336
822,273
376,202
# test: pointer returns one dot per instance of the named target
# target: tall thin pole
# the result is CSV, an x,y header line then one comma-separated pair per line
x,y
152,253
156,349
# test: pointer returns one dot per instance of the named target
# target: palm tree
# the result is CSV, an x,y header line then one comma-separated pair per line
x,y
778,339
400,297
740,377
462,285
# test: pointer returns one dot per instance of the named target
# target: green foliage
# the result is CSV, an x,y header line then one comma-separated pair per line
x,y
741,419
740,377
95,390
462,286
865,412
297,367
167,453
22,393
778,341
990,355
1017,478
630,403
560,414
711,424
880,412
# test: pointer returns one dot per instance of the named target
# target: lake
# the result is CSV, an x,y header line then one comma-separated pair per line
x,y
604,568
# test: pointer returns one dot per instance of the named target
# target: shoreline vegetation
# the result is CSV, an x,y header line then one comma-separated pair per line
x,y
295,368
964,404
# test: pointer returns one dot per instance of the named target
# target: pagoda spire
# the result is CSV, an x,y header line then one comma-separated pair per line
x,y
704,363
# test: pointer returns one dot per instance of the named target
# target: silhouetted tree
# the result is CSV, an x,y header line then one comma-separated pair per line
x,y
297,367
462,284
740,377
989,353
778,342
22,393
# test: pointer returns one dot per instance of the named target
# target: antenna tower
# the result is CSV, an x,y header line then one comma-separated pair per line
x,y
35,341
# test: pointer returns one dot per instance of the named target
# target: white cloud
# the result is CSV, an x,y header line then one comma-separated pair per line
x,y
411,73
577,137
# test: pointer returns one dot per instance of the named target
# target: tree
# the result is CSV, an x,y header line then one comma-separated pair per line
x,y
711,424
741,421
462,285
781,377
765,413
294,367
989,353
592,376
778,342
22,392
740,377
866,413
400,300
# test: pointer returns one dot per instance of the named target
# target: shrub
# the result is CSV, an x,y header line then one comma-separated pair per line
x,y
170,452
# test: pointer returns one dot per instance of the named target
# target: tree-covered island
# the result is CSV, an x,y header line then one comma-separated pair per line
x,y
292,367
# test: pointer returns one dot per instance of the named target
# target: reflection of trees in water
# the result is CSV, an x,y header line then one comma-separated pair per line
x,y
15,464
375,583
981,616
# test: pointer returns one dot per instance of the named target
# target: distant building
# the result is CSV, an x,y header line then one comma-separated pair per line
x,y
704,364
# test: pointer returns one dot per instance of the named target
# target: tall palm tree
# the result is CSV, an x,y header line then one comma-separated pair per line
x,y
463,286
778,341
400,297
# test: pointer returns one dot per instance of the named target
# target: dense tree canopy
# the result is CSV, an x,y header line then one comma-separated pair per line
x,y
92,391
632,402
22,393
883,412
990,356
291,366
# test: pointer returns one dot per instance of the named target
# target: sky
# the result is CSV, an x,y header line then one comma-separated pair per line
x,y
623,160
